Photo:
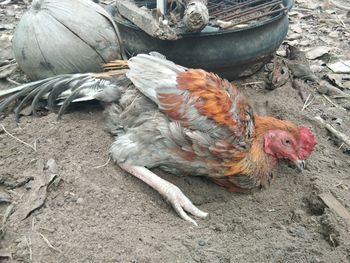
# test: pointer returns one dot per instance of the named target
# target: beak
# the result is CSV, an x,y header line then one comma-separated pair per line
x,y
300,164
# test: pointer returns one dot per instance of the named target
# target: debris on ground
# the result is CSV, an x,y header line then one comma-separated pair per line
x,y
171,21
336,206
36,195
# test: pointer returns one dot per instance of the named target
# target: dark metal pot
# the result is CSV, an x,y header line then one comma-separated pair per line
x,y
231,53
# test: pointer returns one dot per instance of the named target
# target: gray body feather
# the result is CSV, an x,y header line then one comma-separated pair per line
x,y
146,137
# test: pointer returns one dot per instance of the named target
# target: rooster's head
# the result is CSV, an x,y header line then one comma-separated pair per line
x,y
294,144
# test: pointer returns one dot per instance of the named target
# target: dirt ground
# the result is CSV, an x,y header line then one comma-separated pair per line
x,y
95,212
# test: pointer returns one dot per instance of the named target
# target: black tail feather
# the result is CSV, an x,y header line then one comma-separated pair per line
x,y
67,89
68,101
46,88
5,103
23,103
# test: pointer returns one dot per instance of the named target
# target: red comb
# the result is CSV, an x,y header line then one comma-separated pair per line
x,y
307,142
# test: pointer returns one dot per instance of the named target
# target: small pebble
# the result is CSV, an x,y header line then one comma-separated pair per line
x,y
56,182
124,215
201,242
338,121
80,200
51,166
297,215
297,231
60,203
315,259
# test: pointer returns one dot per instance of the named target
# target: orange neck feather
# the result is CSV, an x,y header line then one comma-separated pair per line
x,y
264,124
256,162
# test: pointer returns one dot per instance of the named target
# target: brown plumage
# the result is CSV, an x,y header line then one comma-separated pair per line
x,y
185,121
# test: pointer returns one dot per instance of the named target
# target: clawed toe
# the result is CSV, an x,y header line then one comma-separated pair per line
x,y
170,192
182,204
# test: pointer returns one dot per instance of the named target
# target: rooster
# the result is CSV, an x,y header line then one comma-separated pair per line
x,y
184,121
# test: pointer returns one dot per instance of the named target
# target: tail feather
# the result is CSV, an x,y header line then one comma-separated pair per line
x,y
67,88
7,92
24,101
41,92
76,94
147,72
25,89
64,87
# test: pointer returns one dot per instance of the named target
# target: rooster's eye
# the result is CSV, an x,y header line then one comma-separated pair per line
x,y
286,142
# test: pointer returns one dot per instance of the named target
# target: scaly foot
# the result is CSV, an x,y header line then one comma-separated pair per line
x,y
170,192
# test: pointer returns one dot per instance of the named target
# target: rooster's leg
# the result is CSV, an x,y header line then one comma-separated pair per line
x,y
169,191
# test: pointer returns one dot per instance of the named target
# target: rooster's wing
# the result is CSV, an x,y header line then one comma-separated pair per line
x,y
196,99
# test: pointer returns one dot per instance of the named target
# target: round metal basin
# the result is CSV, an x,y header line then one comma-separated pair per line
x,y
231,53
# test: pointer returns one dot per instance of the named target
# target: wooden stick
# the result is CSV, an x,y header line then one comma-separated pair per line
x,y
307,102
143,18
49,244
336,206
29,244
103,165
253,83
13,82
343,7
329,100
196,15
14,137
332,130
